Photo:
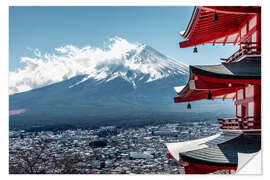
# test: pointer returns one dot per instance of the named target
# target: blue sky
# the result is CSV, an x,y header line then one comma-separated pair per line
x,y
47,28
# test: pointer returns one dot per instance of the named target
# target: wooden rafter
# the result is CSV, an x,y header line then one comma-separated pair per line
x,y
207,38
236,39
225,40
214,42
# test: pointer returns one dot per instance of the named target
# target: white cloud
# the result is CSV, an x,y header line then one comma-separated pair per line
x,y
46,69
70,61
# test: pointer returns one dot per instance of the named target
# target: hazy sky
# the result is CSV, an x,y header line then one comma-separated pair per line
x,y
47,28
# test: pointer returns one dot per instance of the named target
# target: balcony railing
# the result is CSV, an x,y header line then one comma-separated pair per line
x,y
241,123
249,49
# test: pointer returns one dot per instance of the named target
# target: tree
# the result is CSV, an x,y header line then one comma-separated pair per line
x,y
37,161
30,161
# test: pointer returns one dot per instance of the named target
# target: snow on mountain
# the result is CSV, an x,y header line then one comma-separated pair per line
x,y
141,60
120,59
125,83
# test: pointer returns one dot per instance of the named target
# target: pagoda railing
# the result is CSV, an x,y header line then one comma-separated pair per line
x,y
248,49
241,123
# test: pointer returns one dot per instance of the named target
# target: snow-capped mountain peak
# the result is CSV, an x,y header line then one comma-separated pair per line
x,y
129,61
141,61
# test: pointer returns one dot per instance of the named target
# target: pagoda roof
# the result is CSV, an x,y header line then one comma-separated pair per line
x,y
226,153
249,68
202,29
181,147
222,80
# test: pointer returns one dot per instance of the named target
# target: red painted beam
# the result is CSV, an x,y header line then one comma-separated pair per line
x,y
207,28
222,21
233,9
225,23
204,85
224,97
220,43
236,39
193,168
207,38
234,97
227,81
202,34
196,95
225,40
225,18
214,42
249,33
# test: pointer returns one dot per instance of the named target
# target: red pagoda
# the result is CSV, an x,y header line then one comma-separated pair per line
x,y
237,77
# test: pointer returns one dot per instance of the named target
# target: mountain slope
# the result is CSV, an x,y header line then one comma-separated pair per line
x,y
137,87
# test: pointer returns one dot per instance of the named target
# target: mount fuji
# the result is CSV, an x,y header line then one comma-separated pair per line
x,y
135,87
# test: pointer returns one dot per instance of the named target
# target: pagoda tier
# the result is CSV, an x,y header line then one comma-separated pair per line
x,y
221,24
221,81
218,152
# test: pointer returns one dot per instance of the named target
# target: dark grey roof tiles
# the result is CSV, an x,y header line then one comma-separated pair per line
x,y
224,154
248,68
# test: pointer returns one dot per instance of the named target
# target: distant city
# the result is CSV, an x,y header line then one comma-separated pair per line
x,y
104,150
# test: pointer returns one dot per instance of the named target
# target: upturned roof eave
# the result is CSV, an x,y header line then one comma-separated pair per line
x,y
191,22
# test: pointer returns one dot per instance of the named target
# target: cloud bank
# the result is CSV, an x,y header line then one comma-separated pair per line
x,y
70,61
118,58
